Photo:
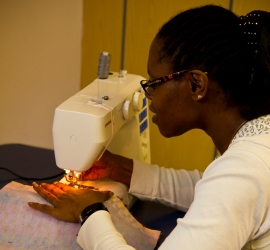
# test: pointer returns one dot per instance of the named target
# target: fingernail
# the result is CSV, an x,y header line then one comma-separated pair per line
x,y
35,184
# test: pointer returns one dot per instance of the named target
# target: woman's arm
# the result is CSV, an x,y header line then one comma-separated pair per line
x,y
171,187
111,166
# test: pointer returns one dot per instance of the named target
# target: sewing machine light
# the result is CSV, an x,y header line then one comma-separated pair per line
x,y
77,173
72,177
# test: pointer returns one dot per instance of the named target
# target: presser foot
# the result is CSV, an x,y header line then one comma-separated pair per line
x,y
74,179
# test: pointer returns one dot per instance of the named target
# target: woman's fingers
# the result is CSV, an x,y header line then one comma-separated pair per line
x,y
41,207
49,196
63,186
56,213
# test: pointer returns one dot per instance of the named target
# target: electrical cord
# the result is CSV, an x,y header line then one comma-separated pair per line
x,y
32,178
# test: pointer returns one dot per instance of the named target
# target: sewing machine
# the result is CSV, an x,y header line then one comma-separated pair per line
x,y
111,111
108,114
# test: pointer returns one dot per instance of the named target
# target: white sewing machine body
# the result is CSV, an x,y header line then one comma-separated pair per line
x,y
110,111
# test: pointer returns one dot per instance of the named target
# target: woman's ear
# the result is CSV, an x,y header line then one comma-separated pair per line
x,y
198,81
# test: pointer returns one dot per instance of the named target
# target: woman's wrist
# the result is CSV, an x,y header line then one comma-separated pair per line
x,y
89,210
121,168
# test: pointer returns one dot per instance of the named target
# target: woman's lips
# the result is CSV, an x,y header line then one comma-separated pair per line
x,y
154,117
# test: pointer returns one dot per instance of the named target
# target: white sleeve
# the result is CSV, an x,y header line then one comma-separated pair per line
x,y
99,233
230,208
171,187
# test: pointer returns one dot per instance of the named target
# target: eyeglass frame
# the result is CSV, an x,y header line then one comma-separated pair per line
x,y
147,83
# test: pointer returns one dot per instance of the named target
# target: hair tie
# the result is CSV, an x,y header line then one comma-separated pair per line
x,y
252,24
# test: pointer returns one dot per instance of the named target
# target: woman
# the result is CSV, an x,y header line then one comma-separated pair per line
x,y
209,70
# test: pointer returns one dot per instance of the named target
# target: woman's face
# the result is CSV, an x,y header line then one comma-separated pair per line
x,y
171,102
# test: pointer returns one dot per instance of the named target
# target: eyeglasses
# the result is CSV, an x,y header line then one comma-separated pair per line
x,y
150,86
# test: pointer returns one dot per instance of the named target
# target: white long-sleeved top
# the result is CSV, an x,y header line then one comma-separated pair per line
x,y
228,207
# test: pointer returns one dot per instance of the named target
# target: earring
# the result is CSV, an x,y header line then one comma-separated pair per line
x,y
199,97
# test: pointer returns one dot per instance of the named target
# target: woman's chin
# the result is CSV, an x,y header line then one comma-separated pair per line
x,y
165,133
163,129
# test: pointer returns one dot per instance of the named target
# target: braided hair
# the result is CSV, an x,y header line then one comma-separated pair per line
x,y
234,51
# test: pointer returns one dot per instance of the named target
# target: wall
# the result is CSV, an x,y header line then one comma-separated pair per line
x,y
102,31
242,7
40,63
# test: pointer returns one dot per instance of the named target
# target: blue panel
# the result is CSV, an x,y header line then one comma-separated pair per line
x,y
144,101
143,126
142,115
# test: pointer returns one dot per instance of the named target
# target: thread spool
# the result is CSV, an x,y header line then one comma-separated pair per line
x,y
104,65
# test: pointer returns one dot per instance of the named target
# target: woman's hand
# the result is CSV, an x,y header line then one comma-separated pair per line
x,y
101,169
111,166
68,202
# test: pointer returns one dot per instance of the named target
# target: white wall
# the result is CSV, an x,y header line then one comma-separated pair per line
x,y
40,59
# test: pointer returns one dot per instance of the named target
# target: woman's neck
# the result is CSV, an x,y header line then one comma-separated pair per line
x,y
223,127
